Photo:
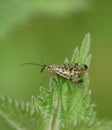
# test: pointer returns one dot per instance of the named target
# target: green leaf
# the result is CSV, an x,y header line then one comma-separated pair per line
x,y
20,115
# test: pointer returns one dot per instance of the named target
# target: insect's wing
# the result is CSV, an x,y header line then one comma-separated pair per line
x,y
79,67
70,72
61,74
76,78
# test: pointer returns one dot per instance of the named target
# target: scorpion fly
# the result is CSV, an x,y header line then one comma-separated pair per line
x,y
71,72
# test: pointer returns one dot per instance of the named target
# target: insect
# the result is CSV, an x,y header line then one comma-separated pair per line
x,y
71,72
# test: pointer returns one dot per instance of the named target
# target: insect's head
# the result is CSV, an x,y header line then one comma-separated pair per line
x,y
43,68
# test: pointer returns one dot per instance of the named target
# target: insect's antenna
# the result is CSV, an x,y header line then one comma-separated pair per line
x,y
32,64
41,57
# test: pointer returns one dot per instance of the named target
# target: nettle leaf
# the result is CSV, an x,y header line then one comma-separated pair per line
x,y
20,115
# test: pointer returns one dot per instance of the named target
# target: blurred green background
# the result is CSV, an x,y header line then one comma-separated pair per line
x,y
45,32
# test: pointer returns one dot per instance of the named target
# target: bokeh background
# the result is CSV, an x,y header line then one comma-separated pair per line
x,y
45,32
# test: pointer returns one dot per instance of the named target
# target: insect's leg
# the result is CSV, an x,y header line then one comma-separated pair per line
x,y
76,79
54,76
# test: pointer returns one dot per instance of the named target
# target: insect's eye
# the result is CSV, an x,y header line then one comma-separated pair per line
x,y
44,66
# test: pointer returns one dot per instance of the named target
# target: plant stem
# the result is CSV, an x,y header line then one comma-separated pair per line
x,y
54,121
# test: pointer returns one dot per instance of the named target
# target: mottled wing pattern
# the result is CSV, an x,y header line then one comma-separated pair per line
x,y
68,71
